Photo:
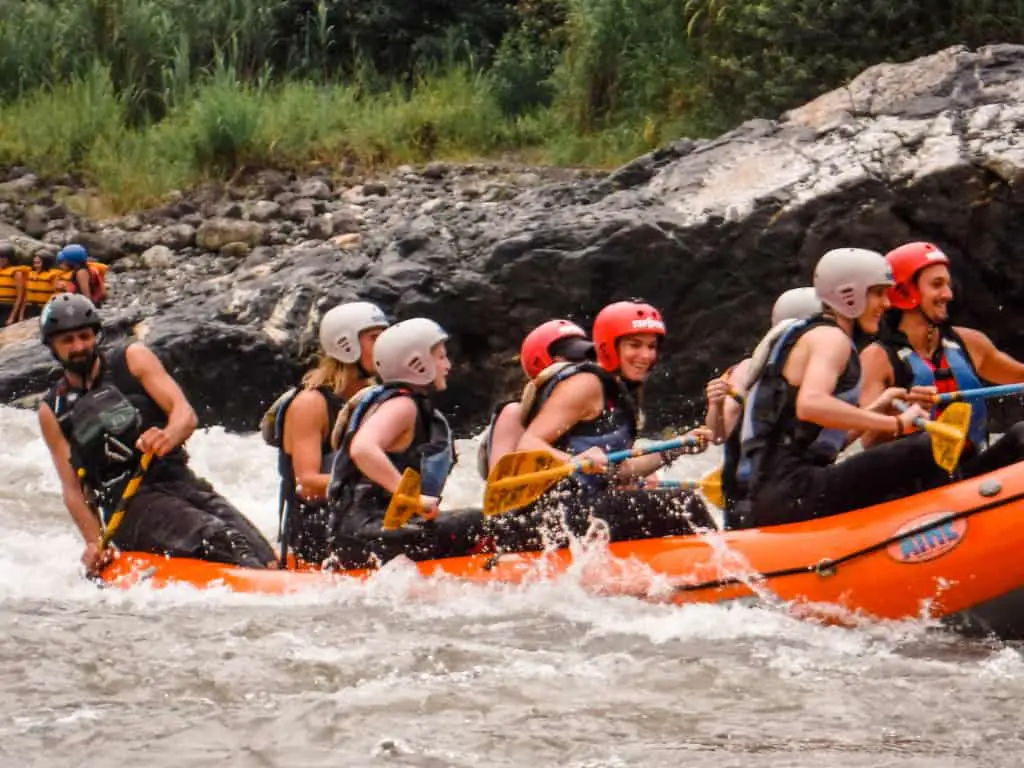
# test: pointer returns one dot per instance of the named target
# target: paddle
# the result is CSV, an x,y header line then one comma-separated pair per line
x,y
122,505
405,501
522,477
710,486
949,432
980,393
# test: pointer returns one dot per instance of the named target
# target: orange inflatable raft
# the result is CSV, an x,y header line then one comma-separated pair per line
x,y
952,553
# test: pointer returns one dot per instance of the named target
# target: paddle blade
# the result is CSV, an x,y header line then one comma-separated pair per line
x,y
405,502
521,463
520,478
711,488
949,434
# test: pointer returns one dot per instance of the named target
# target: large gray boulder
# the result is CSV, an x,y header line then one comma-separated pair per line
x,y
710,231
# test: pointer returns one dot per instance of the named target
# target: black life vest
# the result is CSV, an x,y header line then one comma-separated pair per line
x,y
770,423
614,429
431,453
103,423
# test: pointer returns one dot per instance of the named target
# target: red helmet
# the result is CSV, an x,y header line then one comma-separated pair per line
x,y
905,262
623,318
535,354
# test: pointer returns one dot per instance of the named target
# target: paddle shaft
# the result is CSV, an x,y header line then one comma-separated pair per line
x,y
980,393
932,427
129,491
617,457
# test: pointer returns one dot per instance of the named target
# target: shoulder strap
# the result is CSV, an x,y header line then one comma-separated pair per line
x,y
353,412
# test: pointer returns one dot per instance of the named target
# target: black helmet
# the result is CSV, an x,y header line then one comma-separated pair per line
x,y
7,252
68,312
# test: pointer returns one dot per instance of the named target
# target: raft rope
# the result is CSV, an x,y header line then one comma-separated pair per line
x,y
829,566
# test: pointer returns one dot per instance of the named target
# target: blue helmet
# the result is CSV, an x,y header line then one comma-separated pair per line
x,y
73,254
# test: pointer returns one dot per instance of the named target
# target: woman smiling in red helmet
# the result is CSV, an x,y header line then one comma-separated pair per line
x,y
589,410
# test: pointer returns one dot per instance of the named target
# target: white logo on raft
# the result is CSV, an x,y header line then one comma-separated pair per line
x,y
647,324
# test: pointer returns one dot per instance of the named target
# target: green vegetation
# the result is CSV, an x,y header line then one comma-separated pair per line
x,y
143,96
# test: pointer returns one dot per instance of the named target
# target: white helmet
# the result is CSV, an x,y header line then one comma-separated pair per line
x,y
844,275
402,352
341,326
796,304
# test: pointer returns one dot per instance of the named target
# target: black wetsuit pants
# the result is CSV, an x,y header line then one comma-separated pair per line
x,y
791,490
307,531
1007,450
628,514
361,542
183,516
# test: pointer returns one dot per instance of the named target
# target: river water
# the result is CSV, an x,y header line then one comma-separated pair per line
x,y
403,671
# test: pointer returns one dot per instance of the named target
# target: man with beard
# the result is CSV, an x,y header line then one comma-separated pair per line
x,y
920,350
104,414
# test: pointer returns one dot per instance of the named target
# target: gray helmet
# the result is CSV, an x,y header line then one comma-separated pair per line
x,y
843,277
68,312
402,352
796,304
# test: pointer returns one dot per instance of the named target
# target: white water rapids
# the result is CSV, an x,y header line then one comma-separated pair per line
x,y
403,671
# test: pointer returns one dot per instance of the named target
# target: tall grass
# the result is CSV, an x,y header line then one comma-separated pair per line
x,y
140,97
229,125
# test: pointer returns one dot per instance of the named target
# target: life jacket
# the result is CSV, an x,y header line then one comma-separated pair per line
x,y
431,453
770,423
615,429
97,281
755,368
950,370
8,284
102,425
290,505
40,286
483,450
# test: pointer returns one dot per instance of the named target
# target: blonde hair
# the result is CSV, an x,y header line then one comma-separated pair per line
x,y
344,378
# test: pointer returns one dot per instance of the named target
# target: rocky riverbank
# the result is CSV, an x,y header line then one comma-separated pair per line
x,y
228,283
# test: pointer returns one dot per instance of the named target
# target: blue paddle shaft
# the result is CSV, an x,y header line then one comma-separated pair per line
x,y
668,445
980,393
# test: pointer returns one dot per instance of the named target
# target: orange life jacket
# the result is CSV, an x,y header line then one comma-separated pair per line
x,y
40,286
8,284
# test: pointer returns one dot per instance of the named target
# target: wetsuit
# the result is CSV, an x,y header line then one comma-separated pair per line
x,y
572,505
357,505
951,369
303,523
174,512
786,470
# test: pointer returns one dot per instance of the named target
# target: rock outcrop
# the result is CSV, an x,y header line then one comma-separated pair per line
x,y
228,285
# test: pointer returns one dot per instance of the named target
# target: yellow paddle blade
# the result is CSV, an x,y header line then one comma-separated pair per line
x,y
405,502
521,463
949,434
520,478
711,487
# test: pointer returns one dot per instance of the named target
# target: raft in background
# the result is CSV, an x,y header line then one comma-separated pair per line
x,y
954,553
